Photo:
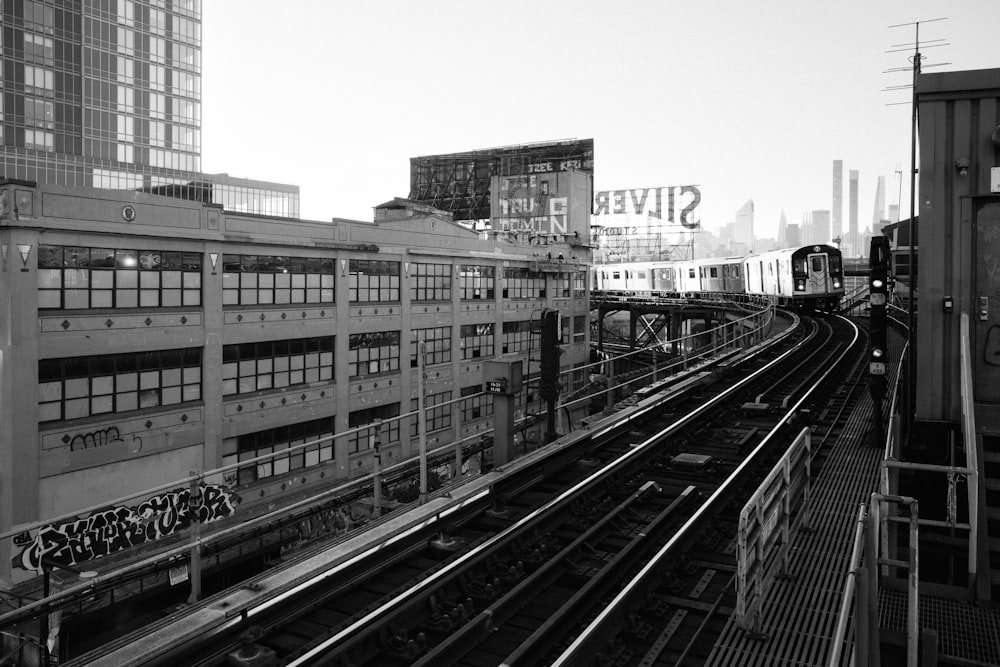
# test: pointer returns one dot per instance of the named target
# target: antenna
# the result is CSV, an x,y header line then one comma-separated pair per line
x,y
911,277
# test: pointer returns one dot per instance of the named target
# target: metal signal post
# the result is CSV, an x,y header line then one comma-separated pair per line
x,y
878,291
549,381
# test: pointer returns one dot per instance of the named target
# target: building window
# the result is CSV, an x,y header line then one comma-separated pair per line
x,y
579,328
438,346
250,367
477,282
39,113
372,353
37,79
436,414
252,445
38,49
477,341
430,282
74,277
251,280
560,284
580,283
373,281
39,17
477,406
520,283
77,387
39,140
365,438
517,336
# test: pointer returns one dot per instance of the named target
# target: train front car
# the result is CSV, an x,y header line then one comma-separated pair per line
x,y
809,278
818,277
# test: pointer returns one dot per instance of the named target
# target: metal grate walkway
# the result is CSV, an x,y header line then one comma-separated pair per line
x,y
964,632
799,616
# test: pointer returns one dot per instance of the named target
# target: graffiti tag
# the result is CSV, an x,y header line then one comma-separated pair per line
x,y
116,528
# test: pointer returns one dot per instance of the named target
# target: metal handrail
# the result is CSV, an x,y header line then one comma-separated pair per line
x,y
850,585
969,439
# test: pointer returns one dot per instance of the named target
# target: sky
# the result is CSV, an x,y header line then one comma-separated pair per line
x,y
745,99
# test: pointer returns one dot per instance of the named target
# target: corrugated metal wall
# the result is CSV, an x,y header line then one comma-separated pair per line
x,y
959,114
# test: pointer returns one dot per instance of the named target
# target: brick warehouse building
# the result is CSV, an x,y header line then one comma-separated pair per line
x,y
143,337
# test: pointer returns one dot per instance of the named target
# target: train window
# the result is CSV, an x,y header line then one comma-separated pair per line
x,y
615,275
714,272
817,263
799,265
835,263
691,272
642,275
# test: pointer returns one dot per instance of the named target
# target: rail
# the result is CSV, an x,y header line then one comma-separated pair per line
x,y
584,647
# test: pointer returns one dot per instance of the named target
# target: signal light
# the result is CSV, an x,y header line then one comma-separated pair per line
x,y
836,283
877,284
877,353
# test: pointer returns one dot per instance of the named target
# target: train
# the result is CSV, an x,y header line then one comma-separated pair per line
x,y
807,278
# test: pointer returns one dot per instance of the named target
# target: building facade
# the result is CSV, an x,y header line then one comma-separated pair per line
x,y
838,198
145,337
107,94
855,243
743,232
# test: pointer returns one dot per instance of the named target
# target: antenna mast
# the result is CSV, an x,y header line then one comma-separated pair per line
x,y
915,61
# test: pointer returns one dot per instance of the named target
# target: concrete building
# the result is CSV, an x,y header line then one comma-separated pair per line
x,y
147,337
743,230
108,95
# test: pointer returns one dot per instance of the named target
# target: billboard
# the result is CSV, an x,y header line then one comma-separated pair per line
x,y
653,222
461,183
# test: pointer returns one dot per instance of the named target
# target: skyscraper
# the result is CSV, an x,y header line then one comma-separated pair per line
x,y
853,240
820,227
879,213
108,94
783,231
743,229
838,197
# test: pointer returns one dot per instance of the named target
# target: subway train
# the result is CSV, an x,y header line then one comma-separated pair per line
x,y
805,278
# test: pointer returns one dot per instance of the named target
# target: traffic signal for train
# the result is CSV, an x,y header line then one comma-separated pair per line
x,y
878,290
549,380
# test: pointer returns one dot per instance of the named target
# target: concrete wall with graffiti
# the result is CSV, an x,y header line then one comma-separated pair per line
x,y
114,529
529,209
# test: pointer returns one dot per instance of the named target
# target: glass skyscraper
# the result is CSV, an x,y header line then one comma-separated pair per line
x,y
107,94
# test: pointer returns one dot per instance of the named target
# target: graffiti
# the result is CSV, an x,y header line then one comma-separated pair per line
x,y
102,438
99,438
113,529
329,522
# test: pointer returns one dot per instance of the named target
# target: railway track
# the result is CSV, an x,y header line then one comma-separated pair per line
x,y
515,576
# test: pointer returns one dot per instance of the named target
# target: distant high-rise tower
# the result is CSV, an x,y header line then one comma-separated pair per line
x,y
108,95
743,229
820,228
853,240
879,214
838,197
783,231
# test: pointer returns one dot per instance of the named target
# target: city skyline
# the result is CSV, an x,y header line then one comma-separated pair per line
x,y
764,127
